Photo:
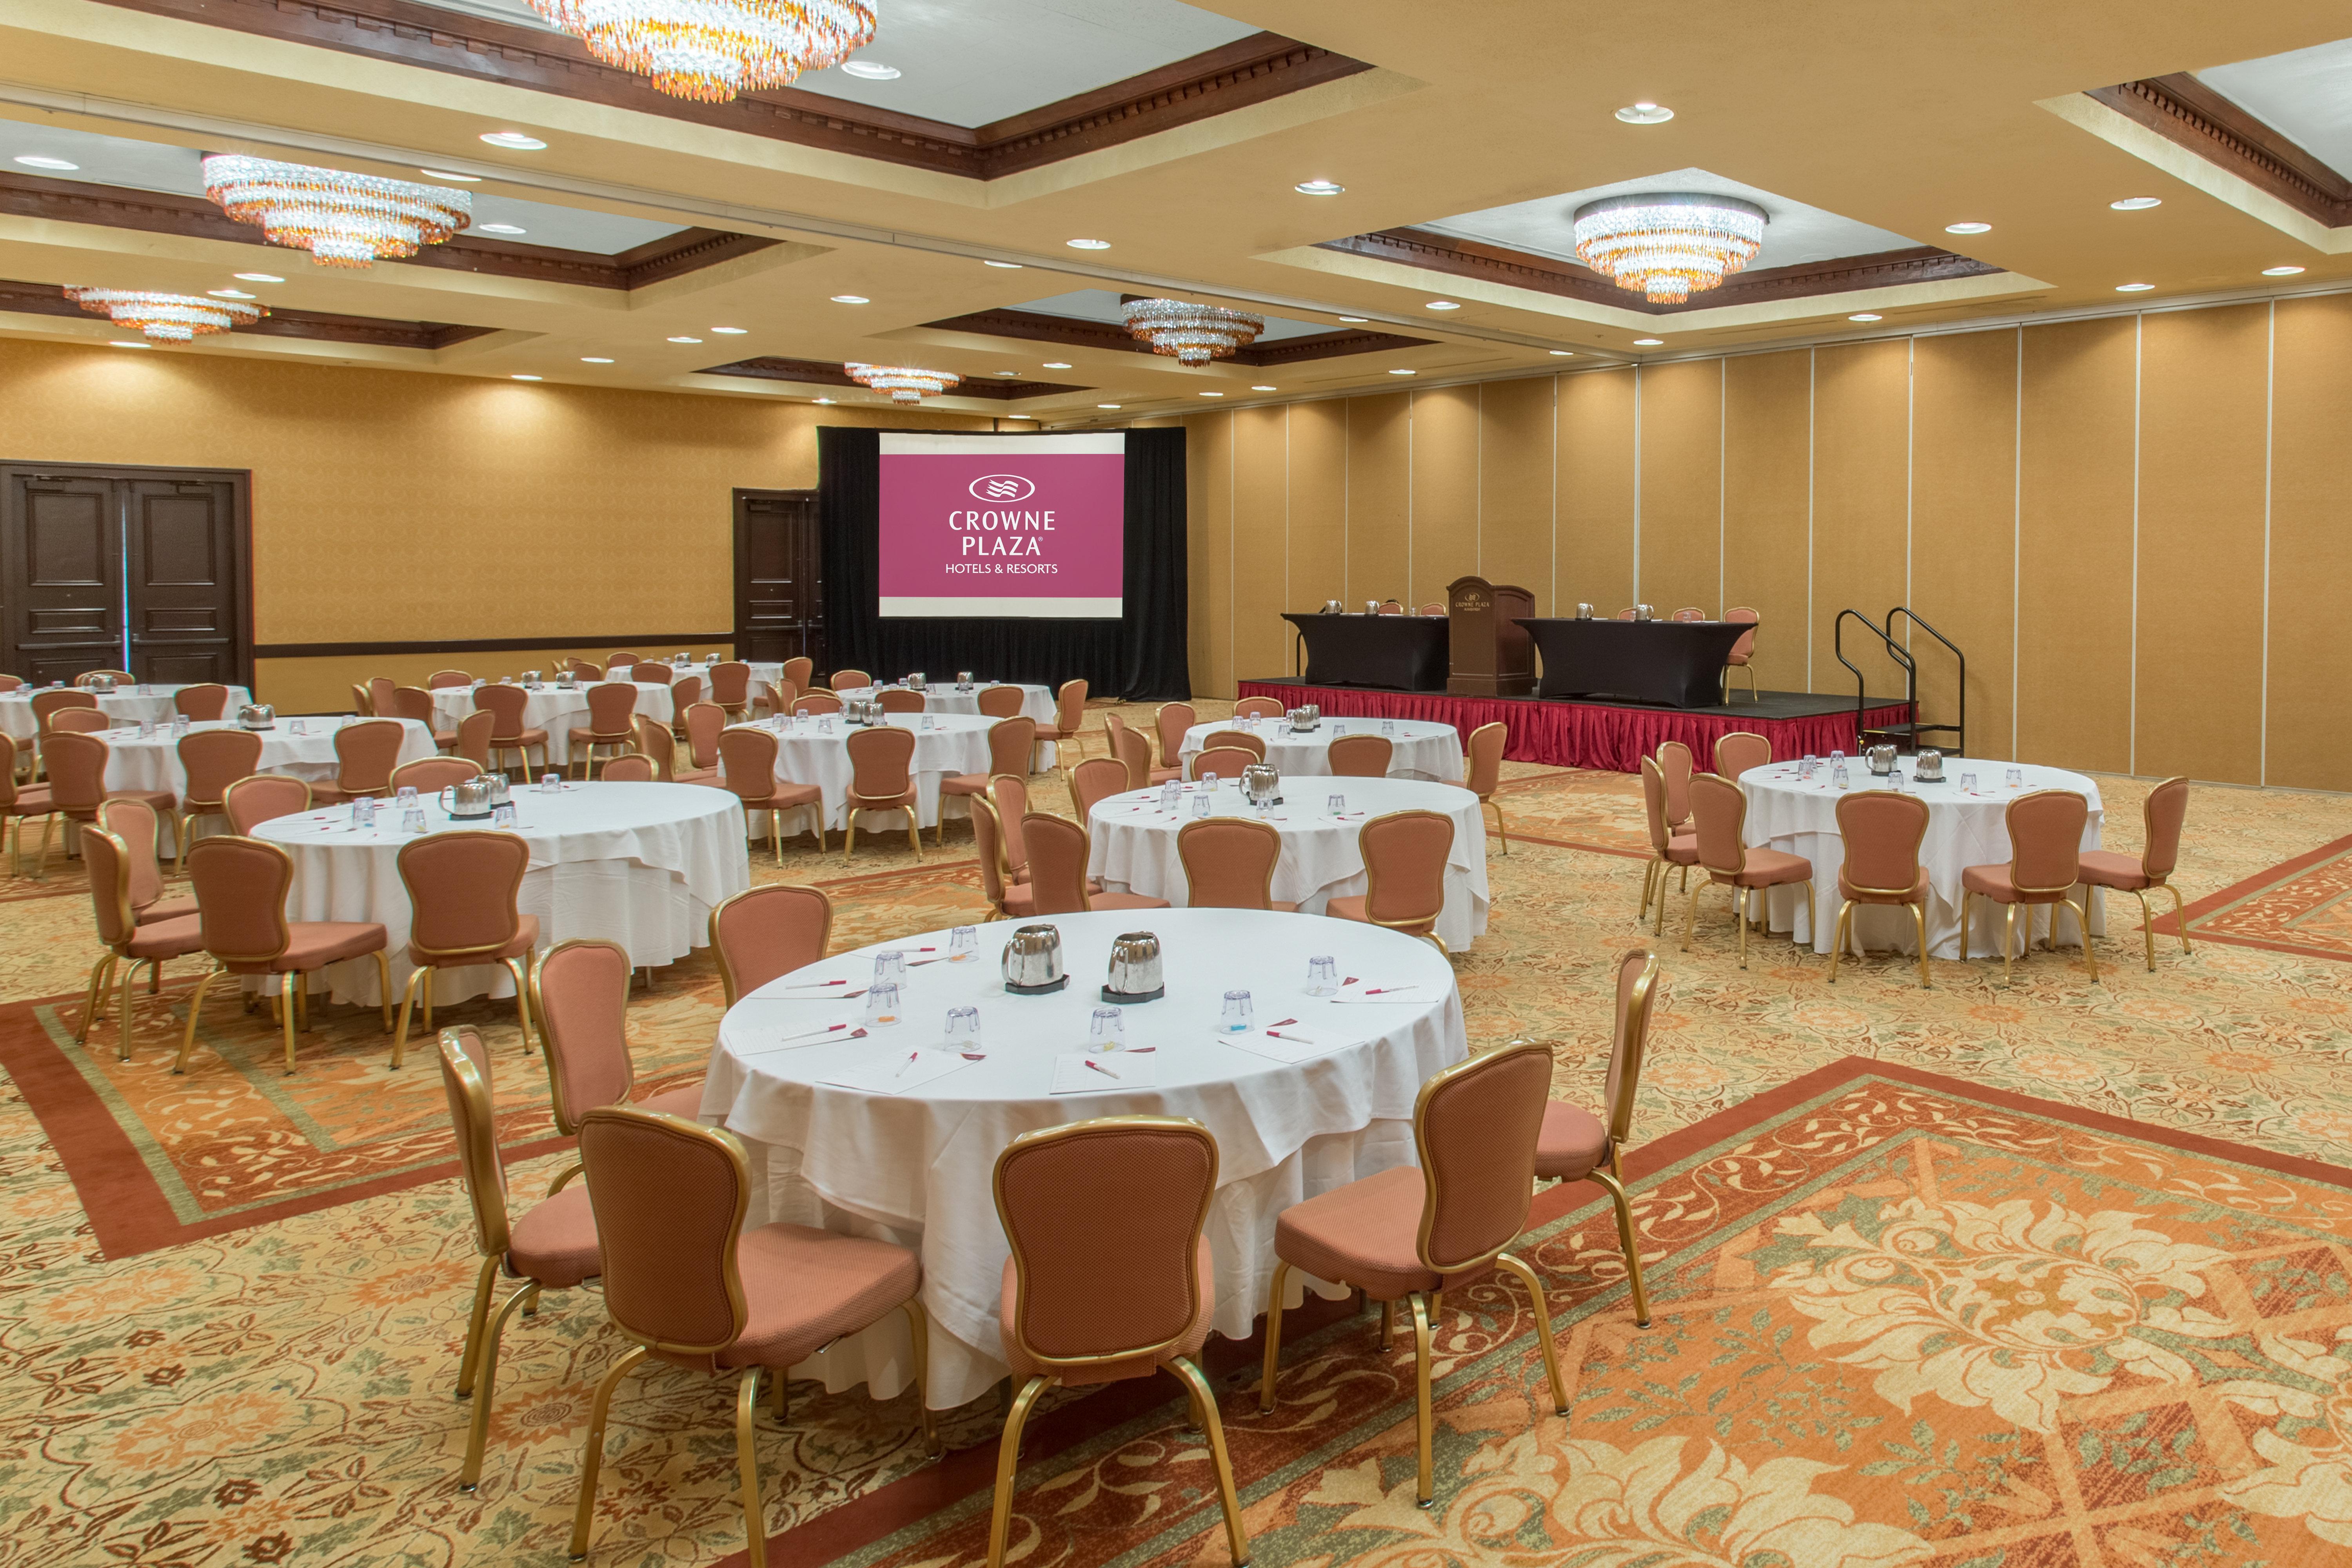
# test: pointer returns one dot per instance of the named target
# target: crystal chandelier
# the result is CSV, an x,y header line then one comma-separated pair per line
x,y
1670,247
171,318
709,50
342,220
1194,334
903,384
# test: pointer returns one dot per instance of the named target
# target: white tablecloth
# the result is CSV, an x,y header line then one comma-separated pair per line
x,y
554,709
1420,748
153,763
1134,844
1798,816
640,864
915,1168
815,751
142,704
1037,702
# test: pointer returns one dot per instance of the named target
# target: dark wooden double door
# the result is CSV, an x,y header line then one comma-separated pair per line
x,y
141,569
779,594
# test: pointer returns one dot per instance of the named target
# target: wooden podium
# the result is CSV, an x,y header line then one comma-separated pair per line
x,y
1493,655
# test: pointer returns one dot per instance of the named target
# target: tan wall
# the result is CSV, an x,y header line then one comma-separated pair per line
x,y
2133,526
397,507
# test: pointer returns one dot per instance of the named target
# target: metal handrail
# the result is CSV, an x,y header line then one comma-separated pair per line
x,y
1960,730
1860,684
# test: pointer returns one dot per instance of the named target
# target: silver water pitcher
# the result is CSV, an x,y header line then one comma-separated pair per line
x,y
1331,607
1644,612
256,715
1304,718
1134,969
1585,612
99,685
1927,768
1881,759
917,682
1033,961
468,800
1262,784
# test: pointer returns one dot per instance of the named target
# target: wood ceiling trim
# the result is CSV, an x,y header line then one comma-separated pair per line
x,y
1038,327
2187,113
156,211
48,300
1238,75
829,374
1433,252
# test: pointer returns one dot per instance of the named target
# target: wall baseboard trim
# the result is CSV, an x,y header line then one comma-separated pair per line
x,y
638,640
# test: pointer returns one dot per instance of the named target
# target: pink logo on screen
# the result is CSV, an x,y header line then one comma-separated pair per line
x,y
1002,487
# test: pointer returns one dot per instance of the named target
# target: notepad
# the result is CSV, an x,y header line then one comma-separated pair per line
x,y
1293,1047
888,1071
1075,1073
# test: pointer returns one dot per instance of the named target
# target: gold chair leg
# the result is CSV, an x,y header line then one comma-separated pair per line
x,y
476,1321
1500,831
1742,897
1008,1462
94,994
477,1430
408,997
1214,1424
591,1456
1966,898
2146,922
1543,1329
849,836
1616,1186
914,834
181,832
1919,925
2082,929
1690,923
1838,936
747,1469
122,1025
2179,913
41,866
1388,1327
919,1327
188,1040
428,1001
1424,1490
520,970
2008,940
1273,1337
285,986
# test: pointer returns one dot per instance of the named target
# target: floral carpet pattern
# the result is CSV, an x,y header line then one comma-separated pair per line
x,y
231,1339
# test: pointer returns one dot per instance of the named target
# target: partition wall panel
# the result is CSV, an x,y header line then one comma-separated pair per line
x,y
1316,547
1596,490
1861,530
1261,637
1964,495
1378,493
1767,501
1445,490
1209,486
1681,485
1517,474
2310,653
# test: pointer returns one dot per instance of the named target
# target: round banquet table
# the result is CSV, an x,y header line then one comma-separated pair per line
x,y
1798,816
140,705
814,749
941,696
152,761
1421,748
915,1167
553,708
1134,844
639,864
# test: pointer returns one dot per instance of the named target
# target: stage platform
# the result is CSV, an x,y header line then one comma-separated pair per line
x,y
1614,737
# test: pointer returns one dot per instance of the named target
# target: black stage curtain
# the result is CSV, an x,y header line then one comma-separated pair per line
x,y
1140,657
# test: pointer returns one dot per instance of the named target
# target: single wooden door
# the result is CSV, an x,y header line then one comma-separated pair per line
x,y
779,599
181,544
63,575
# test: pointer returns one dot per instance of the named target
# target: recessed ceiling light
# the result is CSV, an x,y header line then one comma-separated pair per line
x,y
870,70
513,141
1648,342
594,360
2134,287
500,229
228,293
1008,375
1646,113
686,340
522,378
1443,305
1865,315
43,161
1007,265
825,400
1319,187
1402,372
451,175
1213,394
2137,203
1266,389
1968,228
260,277
2280,271
1355,320
731,331
1057,364
1563,354
127,343
1105,405
1088,243
851,299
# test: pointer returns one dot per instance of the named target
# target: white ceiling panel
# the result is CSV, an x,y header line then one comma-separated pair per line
x,y
2306,94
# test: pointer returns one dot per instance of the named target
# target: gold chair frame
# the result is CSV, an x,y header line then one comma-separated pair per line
x,y
519,967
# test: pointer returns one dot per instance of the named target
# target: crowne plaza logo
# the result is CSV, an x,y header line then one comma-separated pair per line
x,y
1002,487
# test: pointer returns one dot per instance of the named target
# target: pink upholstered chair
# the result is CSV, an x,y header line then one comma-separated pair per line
x,y
241,885
1741,652
416,703
1057,870
1404,856
816,703
48,703
19,804
1229,863
611,726
653,673
1170,723
135,822
361,704
776,696
636,767
1133,748
509,733
580,993
1718,815
128,942
584,669
473,737
1626,613
768,931
1576,1145
1482,772
210,761
1095,780
462,889
1690,612
1390,607
880,779
897,699
691,1286
203,703
1009,793
1667,848
730,687
1000,702
380,695
1362,757
799,672
1674,766
1221,762
1010,899
747,767
441,678
850,680
660,747
1232,739
1434,607
621,660
2045,845
1069,721
11,683
1883,831
1012,742
685,691
431,775
551,1247
79,721
264,797
1258,707
77,765
365,755
704,723
2161,814
1096,1294
1737,752
1411,1234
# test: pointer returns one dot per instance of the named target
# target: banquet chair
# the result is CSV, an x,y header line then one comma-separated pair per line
x,y
1067,727
1009,793
1133,748
1011,743
79,721
241,885
1057,870
506,705
816,703
1362,757
776,696
210,761
1482,772
1434,607
881,780
684,692
1690,612
128,942
431,775
731,688
135,822
264,797
462,890
764,931
1391,607
1000,702
440,678
611,724
631,768
1233,740
1170,723
1881,831
473,737
416,703
1741,653
48,703
1404,856
693,1289
1096,1294
361,704
623,660
77,765
1675,766
1229,863
205,704
2161,814
1577,1145
2045,843
649,672
705,722
1095,780
11,683
850,680
549,1246
1668,849
1626,613
1718,815
1224,761
119,677
380,695
1411,1234
799,672
1737,752
580,993
748,770
365,755
660,747
897,699
20,803
1008,899
1259,708
584,669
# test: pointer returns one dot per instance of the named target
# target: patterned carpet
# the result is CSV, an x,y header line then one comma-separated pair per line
x,y
229,1309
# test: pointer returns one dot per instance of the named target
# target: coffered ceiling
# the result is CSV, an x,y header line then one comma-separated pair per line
x,y
1175,134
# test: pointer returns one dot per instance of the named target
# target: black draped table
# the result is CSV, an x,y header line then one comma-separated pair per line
x,y
1400,652
1677,664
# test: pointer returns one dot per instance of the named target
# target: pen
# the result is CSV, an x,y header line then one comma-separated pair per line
x,y
1383,991
1278,1023
1298,1038
812,985
912,1058
814,1033
1098,1067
